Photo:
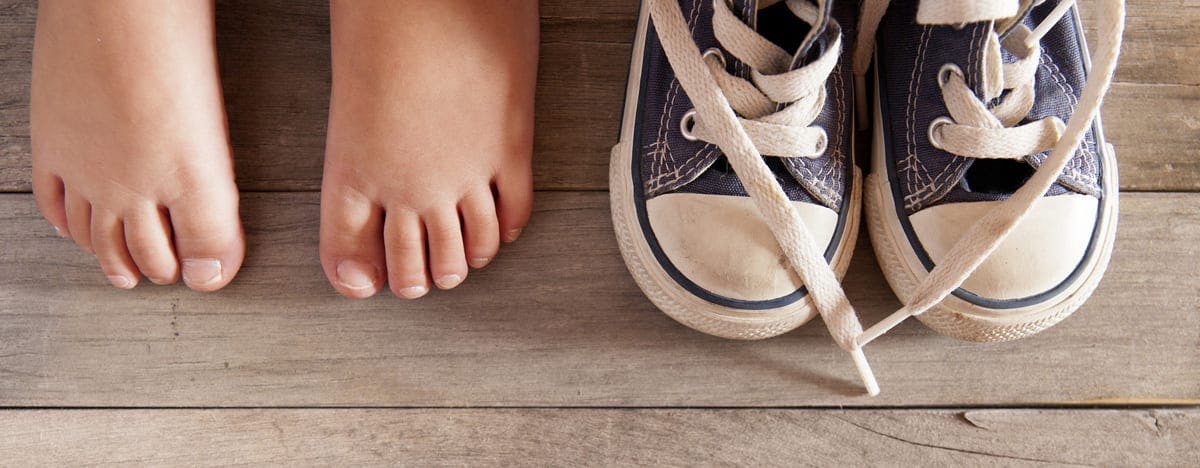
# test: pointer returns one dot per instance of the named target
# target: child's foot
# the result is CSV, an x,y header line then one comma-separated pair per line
x,y
427,166
131,156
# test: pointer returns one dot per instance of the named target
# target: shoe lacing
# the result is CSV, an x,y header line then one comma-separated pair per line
x,y
976,130
771,113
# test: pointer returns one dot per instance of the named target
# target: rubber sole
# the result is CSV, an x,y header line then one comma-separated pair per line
x,y
956,317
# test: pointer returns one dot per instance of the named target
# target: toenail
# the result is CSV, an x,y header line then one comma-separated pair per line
x,y
61,233
121,281
480,262
512,235
448,281
413,292
201,272
355,275
160,281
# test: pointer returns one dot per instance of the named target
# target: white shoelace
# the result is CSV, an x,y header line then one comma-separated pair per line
x,y
979,132
742,117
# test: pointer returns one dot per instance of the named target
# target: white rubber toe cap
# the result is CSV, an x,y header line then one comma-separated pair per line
x,y
722,244
1039,255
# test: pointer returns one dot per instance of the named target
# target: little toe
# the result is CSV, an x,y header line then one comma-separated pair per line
x,y
514,199
79,220
447,257
108,240
404,237
148,238
49,194
480,228
352,253
208,237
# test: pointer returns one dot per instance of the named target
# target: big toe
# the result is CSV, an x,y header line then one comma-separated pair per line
x,y
208,238
352,252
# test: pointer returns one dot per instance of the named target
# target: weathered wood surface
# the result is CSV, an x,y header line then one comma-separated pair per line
x,y
275,63
555,321
781,437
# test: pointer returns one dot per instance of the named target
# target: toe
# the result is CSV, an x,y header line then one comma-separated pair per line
x,y
79,220
108,240
404,237
514,198
352,252
148,238
48,192
447,258
208,237
480,228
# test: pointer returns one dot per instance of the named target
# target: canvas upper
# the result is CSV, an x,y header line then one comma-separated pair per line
x,y
910,56
938,194
669,166
671,163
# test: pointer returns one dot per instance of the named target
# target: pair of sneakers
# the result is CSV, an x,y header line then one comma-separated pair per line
x,y
991,199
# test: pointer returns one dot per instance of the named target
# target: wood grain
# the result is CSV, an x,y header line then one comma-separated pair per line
x,y
275,66
422,437
555,321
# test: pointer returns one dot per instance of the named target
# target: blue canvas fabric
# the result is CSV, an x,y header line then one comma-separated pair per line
x,y
669,163
910,56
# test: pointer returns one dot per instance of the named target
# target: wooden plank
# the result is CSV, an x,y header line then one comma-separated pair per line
x,y
1160,45
555,321
274,58
1161,153
603,437
16,56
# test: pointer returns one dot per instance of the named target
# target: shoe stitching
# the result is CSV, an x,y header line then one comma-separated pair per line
x,y
912,166
662,164
1074,175
689,170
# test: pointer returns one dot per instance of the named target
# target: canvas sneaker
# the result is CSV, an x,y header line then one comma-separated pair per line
x,y
992,197
735,199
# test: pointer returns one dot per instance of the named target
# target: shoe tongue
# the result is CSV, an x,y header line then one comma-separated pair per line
x,y
806,53
795,26
1005,26
957,12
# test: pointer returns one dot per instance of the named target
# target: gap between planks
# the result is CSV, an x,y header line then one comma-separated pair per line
x,y
572,437
555,321
276,80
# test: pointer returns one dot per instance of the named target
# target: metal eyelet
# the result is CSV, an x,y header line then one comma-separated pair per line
x,y
944,74
822,144
716,53
686,124
935,135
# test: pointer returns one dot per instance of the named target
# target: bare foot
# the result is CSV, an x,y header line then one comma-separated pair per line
x,y
131,156
427,165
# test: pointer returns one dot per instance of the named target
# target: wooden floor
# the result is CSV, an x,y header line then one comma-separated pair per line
x,y
552,352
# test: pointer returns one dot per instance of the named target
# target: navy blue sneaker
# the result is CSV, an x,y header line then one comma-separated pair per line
x,y
982,232
734,194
